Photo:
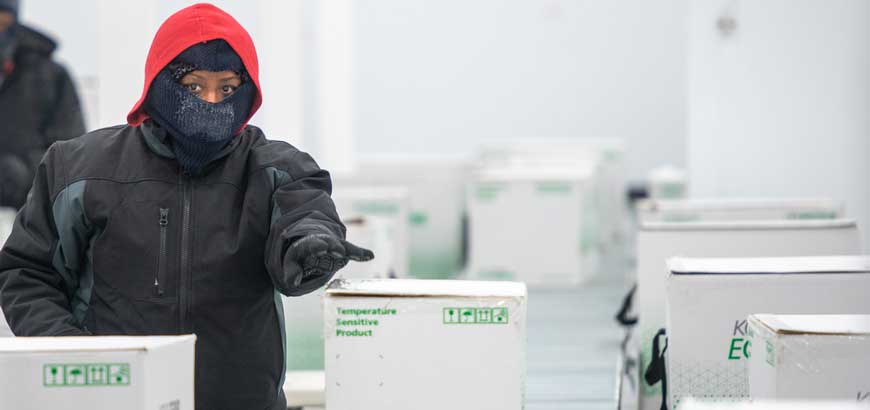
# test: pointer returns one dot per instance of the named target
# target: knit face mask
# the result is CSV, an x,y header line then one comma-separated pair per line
x,y
199,129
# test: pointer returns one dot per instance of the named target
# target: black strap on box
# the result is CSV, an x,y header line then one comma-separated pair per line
x,y
627,302
656,371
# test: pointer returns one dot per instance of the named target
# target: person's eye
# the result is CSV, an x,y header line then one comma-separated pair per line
x,y
228,89
193,87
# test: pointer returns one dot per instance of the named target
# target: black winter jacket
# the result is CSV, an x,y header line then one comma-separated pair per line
x,y
38,106
116,240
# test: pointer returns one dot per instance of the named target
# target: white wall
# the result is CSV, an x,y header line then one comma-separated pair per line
x,y
438,76
72,24
781,107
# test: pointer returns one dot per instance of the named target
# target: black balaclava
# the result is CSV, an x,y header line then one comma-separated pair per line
x,y
199,129
8,41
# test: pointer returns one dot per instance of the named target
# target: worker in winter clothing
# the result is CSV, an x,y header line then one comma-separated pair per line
x,y
38,104
184,220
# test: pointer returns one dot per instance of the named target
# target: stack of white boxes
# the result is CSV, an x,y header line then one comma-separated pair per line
x,y
425,345
97,373
436,201
810,357
709,300
658,241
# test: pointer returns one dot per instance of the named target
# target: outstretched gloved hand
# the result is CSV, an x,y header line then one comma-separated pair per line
x,y
320,255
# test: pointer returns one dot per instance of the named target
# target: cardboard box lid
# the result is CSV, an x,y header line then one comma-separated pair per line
x,y
782,265
835,325
370,192
749,225
537,144
89,344
692,404
737,204
424,288
402,159
537,172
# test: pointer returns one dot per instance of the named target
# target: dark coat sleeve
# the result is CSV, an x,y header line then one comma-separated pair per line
x,y
65,119
34,295
301,206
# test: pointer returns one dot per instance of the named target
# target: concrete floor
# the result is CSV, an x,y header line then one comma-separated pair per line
x,y
574,346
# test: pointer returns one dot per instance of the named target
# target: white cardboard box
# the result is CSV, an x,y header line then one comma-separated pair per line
x,y
425,345
658,241
810,357
771,405
698,210
710,299
533,225
436,189
97,373
607,152
384,213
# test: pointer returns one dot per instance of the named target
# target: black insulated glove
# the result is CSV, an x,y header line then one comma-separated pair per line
x,y
320,255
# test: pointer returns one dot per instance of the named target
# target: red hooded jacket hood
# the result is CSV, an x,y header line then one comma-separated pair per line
x,y
199,23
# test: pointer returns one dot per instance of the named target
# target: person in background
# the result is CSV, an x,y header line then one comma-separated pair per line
x,y
38,104
184,220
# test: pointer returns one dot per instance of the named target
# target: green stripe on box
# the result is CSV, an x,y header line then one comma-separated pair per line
x,y
554,187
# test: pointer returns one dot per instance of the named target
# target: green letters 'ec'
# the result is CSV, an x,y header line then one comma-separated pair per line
x,y
737,348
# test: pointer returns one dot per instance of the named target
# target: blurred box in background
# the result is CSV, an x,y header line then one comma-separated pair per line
x,y
607,153
697,210
384,213
709,300
425,345
537,225
658,241
436,195
546,211
97,373
7,219
810,357
668,182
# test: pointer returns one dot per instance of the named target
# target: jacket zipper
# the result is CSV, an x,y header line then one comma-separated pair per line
x,y
185,291
161,257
